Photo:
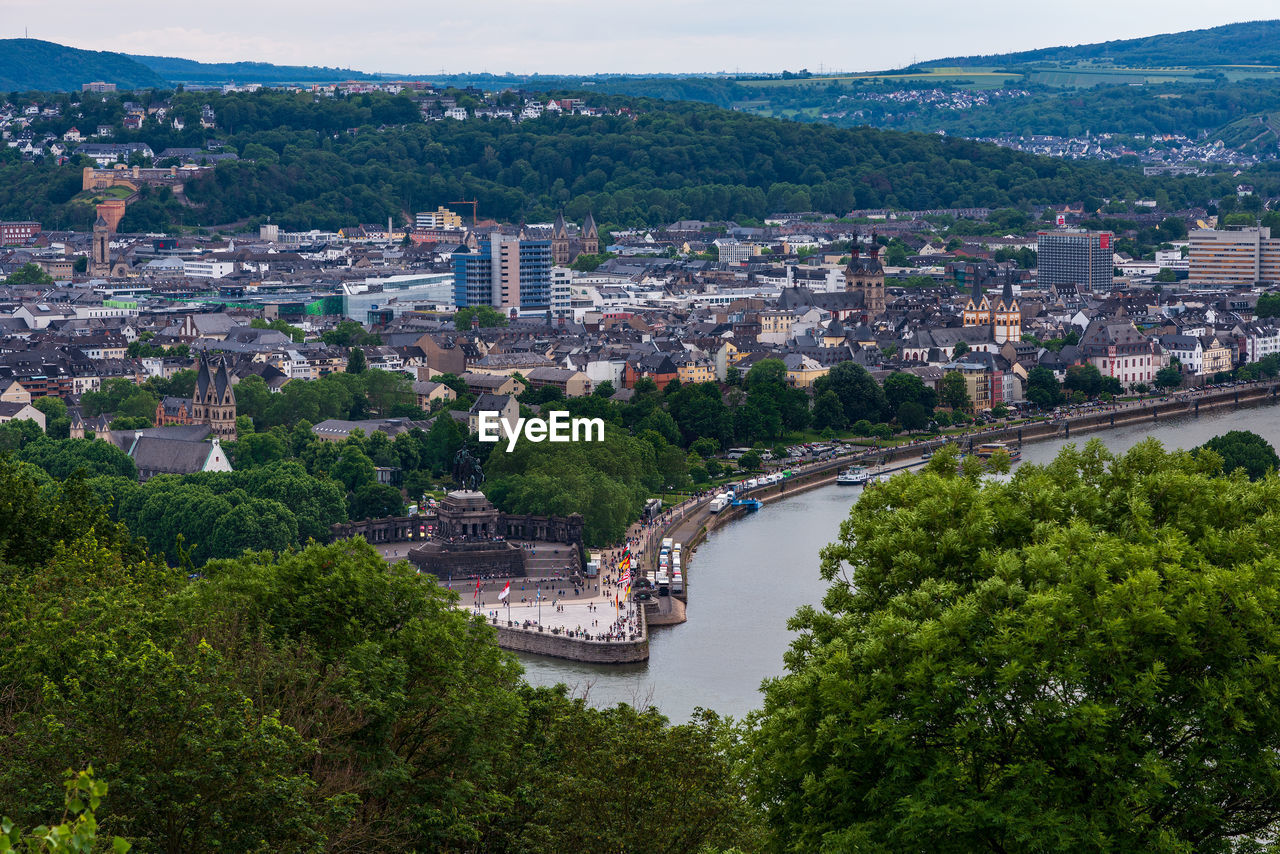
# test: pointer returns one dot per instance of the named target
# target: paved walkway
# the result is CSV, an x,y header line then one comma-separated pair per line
x,y
553,602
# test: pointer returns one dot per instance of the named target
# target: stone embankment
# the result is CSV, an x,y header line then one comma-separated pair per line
x,y
691,521
564,645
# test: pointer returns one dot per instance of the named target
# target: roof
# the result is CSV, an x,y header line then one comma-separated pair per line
x,y
492,402
170,456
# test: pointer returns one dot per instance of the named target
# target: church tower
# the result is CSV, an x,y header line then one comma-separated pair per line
x,y
560,242
865,275
590,236
214,402
1007,317
100,262
977,311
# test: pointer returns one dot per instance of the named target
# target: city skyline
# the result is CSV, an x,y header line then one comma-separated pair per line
x,y
575,37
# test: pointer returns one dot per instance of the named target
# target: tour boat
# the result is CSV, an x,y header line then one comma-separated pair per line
x,y
852,476
985,451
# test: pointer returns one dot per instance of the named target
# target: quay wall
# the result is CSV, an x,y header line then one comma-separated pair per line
x,y
693,527
554,645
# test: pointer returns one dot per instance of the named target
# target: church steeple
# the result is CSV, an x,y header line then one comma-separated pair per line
x,y
590,236
100,263
560,241
866,276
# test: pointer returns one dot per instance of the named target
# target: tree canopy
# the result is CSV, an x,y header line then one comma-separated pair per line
x,y
1242,449
318,700
1081,657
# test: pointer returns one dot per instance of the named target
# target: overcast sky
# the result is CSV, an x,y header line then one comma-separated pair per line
x,y
590,36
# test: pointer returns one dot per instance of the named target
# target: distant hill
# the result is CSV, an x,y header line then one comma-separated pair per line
x,y
209,73
32,64
1248,43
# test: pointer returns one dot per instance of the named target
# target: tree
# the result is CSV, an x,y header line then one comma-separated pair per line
x,y
960,349
972,687
1043,388
1168,377
355,361
901,387
1268,305
604,389
1242,449
349,333
30,273
1086,379
705,447
829,412
859,393
353,469
912,416
750,461
78,832
1166,274
955,391
376,501
56,425
486,315
280,325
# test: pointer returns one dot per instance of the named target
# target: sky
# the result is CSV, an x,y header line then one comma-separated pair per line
x,y
598,36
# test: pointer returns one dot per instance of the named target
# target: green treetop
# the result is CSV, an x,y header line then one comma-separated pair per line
x,y
1080,658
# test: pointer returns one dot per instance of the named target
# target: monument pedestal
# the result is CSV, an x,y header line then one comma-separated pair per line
x,y
465,544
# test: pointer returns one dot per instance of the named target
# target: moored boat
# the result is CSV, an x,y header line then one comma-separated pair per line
x,y
852,476
985,451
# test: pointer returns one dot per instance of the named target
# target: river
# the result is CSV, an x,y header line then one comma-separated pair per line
x,y
750,576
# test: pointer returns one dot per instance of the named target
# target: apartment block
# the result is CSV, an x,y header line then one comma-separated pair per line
x,y
1244,256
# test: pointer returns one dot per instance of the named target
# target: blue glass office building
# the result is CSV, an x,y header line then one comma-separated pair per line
x,y
505,274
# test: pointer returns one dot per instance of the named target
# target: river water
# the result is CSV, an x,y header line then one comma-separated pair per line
x,y
749,577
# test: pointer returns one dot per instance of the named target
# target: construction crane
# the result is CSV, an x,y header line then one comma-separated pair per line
x,y
474,205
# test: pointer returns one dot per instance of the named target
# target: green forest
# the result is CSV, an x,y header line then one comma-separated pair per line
x,y
32,64
331,162
1245,43
1082,657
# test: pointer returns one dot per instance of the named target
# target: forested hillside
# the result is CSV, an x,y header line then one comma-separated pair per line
x,y
32,64
328,163
1245,43
180,70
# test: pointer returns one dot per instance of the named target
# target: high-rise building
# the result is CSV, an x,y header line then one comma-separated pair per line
x,y
505,273
1072,256
1243,256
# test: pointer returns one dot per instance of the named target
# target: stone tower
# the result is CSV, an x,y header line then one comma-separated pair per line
x,y
214,402
865,275
560,242
590,236
100,262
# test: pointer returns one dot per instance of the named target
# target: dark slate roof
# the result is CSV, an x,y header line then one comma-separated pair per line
x,y
123,439
169,456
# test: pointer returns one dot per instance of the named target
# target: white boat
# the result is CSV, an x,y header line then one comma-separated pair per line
x,y
852,476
